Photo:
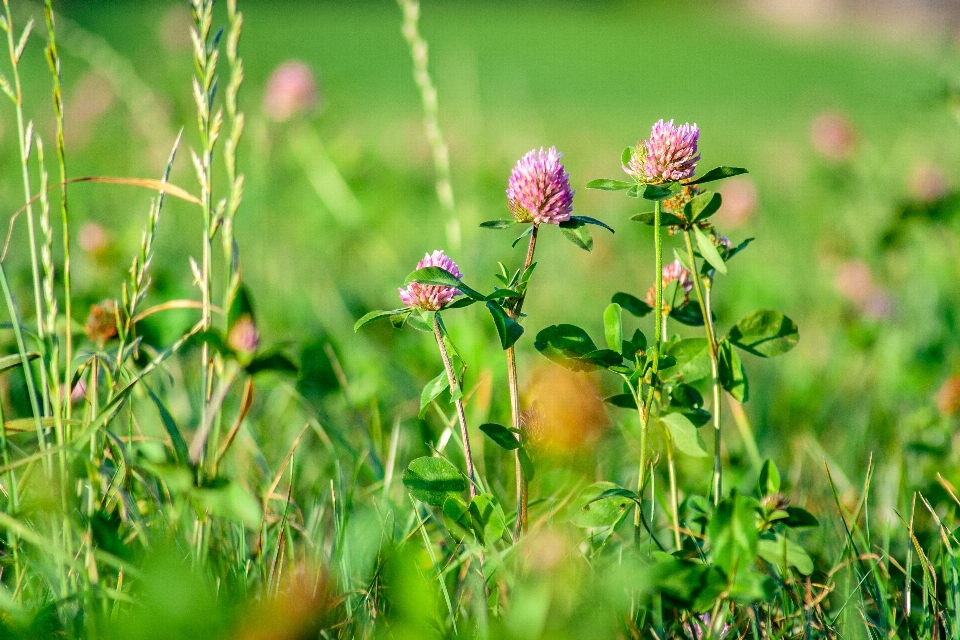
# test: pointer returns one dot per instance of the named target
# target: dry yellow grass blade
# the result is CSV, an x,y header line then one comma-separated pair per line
x,y
147,183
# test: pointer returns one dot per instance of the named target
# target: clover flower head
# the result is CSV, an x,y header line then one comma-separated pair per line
x,y
291,90
102,322
671,152
432,297
243,336
699,627
539,188
636,167
673,272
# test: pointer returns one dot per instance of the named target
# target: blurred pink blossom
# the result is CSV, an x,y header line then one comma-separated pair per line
x,y
174,28
855,283
673,272
833,136
243,336
89,100
948,396
79,391
699,627
739,201
93,238
928,182
290,90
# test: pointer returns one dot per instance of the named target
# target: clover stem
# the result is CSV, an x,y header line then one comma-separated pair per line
x,y
514,312
657,340
674,496
703,297
452,380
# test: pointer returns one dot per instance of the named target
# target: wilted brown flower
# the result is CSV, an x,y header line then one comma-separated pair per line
x,y
301,609
948,397
676,204
102,322
774,502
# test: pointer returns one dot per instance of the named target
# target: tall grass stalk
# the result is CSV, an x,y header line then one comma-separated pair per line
x,y
53,61
206,54
15,48
431,121
135,290
234,179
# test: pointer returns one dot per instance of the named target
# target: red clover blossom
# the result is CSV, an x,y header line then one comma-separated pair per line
x,y
673,272
539,188
670,155
432,297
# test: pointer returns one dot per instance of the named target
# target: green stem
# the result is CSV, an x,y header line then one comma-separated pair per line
x,y
13,502
674,494
657,341
461,415
514,312
27,191
24,362
53,59
703,297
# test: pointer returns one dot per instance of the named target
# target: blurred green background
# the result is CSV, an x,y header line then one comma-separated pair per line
x,y
839,122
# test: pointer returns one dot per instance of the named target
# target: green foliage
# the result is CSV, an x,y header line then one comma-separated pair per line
x,y
632,304
765,333
433,480
602,504
683,434
507,328
502,436
292,521
605,184
733,534
718,173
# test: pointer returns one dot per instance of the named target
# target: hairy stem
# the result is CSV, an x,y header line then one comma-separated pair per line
x,y
461,415
514,312
655,370
674,494
703,297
